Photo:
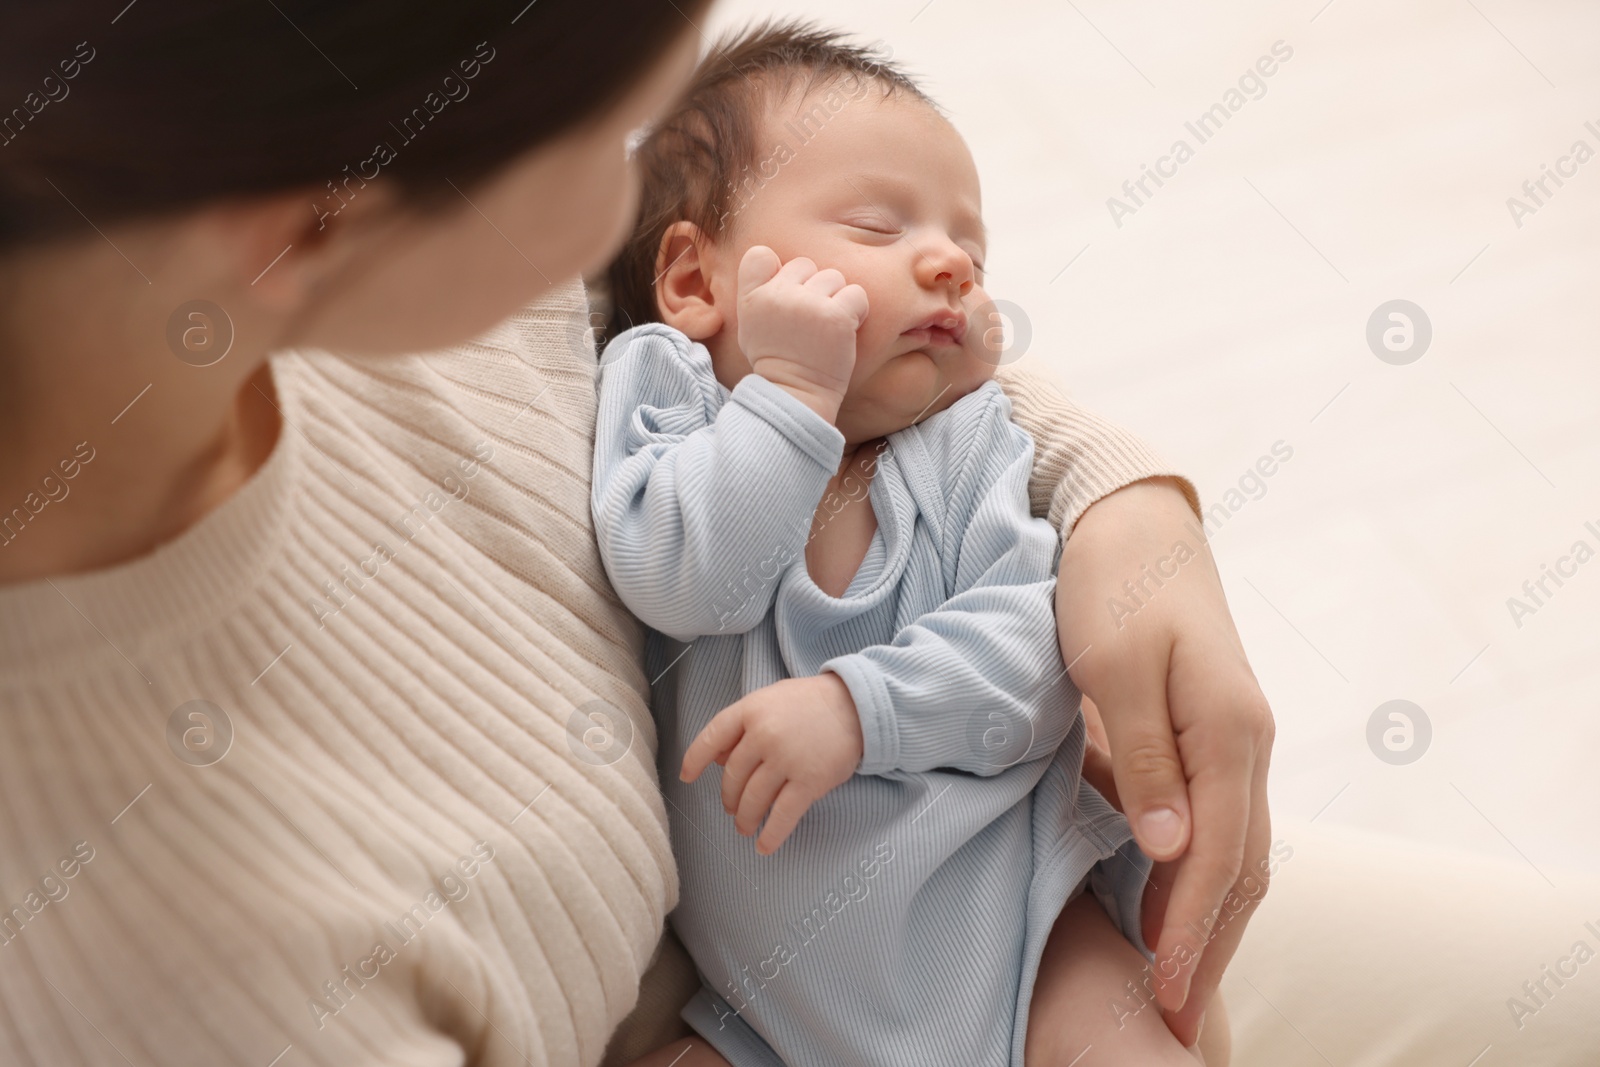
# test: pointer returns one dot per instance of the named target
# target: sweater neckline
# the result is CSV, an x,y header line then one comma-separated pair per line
x,y
119,615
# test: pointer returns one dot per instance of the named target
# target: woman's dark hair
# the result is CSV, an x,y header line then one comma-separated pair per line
x,y
171,103
694,159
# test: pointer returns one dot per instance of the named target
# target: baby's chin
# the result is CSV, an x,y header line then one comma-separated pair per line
x,y
906,390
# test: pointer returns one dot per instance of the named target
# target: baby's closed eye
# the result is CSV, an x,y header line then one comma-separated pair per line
x,y
882,226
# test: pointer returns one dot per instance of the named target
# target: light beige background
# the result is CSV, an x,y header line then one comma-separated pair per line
x,y
1229,313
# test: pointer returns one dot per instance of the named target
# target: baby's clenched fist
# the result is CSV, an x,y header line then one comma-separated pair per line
x,y
797,326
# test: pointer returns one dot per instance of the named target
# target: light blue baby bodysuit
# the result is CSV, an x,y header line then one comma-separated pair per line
x,y
902,922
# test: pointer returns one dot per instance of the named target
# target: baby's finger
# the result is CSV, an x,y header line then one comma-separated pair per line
x,y
758,796
742,762
854,300
797,270
757,267
718,737
791,803
827,282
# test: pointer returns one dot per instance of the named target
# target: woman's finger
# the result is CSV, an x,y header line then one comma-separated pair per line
x,y
1132,697
1225,734
1260,858
1206,873
1248,892
1097,768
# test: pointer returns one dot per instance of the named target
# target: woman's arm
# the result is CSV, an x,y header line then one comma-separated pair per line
x,y
1188,726
1078,457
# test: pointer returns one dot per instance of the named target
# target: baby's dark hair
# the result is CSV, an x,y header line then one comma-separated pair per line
x,y
691,159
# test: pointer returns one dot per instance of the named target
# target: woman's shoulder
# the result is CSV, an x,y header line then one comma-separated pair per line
x,y
502,423
527,374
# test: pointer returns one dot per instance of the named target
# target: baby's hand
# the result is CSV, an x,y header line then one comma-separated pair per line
x,y
797,326
782,747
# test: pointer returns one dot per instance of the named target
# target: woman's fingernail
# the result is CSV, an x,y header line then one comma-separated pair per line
x,y
1161,828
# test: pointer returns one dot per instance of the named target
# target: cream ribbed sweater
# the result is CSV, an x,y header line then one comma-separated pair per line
x,y
415,819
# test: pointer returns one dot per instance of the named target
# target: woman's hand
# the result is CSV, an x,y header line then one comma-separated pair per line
x,y
1188,728
784,747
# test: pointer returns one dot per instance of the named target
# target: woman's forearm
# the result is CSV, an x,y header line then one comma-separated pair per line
x,y
1170,678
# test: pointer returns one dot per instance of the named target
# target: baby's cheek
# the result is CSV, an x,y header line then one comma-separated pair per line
x,y
975,347
979,368
876,336
993,338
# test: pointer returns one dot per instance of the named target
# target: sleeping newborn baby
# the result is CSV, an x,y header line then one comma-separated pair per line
x,y
807,485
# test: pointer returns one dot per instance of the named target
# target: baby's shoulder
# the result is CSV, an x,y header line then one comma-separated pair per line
x,y
654,380
654,348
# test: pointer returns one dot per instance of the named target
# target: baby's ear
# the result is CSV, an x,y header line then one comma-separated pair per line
x,y
683,291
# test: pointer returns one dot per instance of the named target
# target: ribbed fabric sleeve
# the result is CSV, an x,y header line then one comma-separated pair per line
x,y
684,492
1078,456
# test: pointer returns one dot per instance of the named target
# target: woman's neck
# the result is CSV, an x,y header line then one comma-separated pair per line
x,y
91,506
102,459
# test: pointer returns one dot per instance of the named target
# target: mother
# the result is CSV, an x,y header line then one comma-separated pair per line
x,y
322,738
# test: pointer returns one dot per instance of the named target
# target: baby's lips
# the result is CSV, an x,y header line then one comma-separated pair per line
x,y
951,323
934,337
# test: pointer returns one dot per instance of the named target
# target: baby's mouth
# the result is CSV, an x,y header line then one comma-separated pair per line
x,y
934,337
944,329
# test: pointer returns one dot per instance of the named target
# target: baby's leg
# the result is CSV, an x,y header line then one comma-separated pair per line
x,y
684,1052
1082,1013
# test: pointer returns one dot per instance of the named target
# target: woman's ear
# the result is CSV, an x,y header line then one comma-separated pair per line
x,y
684,265
283,248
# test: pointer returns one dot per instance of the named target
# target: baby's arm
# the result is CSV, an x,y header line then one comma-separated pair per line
x,y
696,517
977,684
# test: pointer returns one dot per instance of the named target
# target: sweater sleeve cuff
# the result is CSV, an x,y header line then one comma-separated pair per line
x,y
880,742
810,432
1078,457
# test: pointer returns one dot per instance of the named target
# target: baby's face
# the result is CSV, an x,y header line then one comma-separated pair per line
x,y
885,191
